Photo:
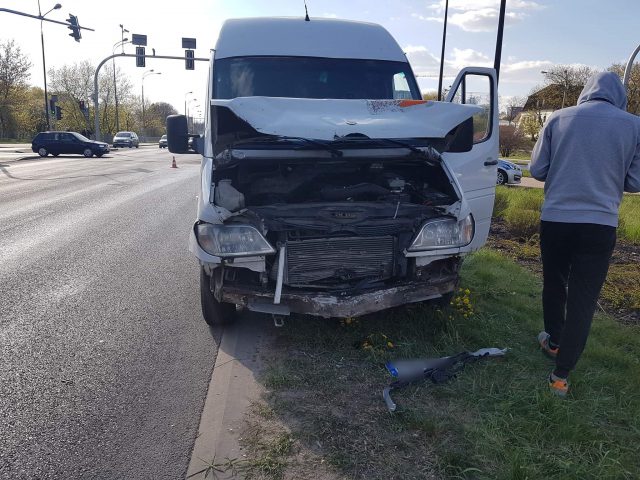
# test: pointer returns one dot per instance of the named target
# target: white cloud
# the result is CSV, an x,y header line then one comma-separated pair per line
x,y
481,15
330,15
482,20
428,19
469,57
423,62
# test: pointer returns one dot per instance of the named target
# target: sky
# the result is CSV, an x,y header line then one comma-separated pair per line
x,y
538,35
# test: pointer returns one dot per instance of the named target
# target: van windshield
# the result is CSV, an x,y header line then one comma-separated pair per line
x,y
311,77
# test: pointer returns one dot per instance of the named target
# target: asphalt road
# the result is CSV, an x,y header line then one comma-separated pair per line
x,y
104,357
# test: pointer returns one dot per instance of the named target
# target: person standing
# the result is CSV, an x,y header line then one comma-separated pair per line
x,y
587,155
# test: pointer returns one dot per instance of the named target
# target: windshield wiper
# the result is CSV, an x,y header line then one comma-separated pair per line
x,y
359,138
280,139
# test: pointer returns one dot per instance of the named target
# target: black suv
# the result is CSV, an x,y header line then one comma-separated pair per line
x,y
55,143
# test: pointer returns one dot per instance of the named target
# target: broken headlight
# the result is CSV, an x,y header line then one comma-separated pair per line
x,y
232,240
444,233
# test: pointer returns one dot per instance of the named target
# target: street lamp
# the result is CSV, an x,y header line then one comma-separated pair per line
x,y
145,75
115,85
444,38
57,6
188,104
185,102
121,43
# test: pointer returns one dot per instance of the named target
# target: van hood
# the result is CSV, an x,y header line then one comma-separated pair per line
x,y
330,119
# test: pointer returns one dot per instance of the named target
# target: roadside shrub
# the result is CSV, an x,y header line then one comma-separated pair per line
x,y
501,202
523,223
629,224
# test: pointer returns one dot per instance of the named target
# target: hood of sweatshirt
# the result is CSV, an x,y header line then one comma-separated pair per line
x,y
605,86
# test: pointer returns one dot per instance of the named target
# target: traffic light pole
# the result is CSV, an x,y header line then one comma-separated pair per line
x,y
96,115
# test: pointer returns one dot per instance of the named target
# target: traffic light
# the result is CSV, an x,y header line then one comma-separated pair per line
x,y
140,60
58,113
188,59
81,105
74,26
52,105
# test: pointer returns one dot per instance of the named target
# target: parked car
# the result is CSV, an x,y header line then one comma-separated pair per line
x,y
508,173
328,185
126,139
162,143
56,143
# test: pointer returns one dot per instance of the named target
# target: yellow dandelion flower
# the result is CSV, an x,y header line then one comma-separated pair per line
x,y
467,291
389,344
466,301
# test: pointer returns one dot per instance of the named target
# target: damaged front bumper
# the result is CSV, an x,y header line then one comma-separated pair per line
x,y
329,305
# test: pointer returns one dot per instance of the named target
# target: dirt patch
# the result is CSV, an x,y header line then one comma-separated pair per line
x,y
620,295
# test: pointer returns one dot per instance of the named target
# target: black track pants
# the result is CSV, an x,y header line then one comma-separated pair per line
x,y
575,261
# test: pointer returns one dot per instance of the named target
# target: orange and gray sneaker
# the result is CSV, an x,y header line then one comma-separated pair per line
x,y
559,386
544,341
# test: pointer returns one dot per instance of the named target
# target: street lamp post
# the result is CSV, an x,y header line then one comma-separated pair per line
x,y
113,62
144,75
115,83
444,39
189,108
185,102
57,6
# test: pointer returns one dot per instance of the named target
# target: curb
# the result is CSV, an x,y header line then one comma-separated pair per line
x,y
232,389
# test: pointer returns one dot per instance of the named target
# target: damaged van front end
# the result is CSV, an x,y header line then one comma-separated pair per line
x,y
332,220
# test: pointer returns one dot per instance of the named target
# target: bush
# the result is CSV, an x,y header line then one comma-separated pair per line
x,y
501,202
523,223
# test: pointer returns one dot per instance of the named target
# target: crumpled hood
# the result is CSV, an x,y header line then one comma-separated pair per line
x,y
326,119
605,86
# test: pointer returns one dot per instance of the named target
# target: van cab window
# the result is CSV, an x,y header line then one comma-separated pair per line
x,y
311,77
475,89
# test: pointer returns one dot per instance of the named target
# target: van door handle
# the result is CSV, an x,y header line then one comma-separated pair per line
x,y
490,162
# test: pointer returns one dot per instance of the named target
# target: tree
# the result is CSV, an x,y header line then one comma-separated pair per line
x,y
14,77
433,95
570,80
30,116
511,139
156,117
513,106
633,90
530,126
74,84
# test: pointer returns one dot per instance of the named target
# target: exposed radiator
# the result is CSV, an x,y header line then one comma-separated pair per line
x,y
339,259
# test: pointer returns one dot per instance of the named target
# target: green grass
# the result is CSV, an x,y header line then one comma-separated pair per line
x,y
517,204
495,421
629,227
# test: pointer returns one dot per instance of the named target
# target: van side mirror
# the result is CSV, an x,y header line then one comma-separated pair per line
x,y
177,134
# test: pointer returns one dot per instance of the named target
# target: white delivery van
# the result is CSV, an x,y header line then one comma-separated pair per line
x,y
328,186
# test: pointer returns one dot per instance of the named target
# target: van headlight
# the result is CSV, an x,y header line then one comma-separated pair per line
x,y
444,233
232,240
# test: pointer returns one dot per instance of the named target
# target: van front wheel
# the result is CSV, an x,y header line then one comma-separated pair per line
x,y
215,313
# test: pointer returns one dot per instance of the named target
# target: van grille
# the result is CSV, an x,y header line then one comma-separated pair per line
x,y
338,260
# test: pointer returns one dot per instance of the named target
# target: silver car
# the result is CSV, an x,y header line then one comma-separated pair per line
x,y
508,173
126,139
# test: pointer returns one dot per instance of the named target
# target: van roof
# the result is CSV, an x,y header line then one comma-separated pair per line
x,y
293,36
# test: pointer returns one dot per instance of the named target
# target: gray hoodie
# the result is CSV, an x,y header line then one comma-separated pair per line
x,y
588,155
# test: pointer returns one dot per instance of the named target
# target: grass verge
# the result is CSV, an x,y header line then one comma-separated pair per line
x,y
516,204
495,421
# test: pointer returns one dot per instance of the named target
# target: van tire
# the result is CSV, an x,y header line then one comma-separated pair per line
x,y
215,313
43,152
